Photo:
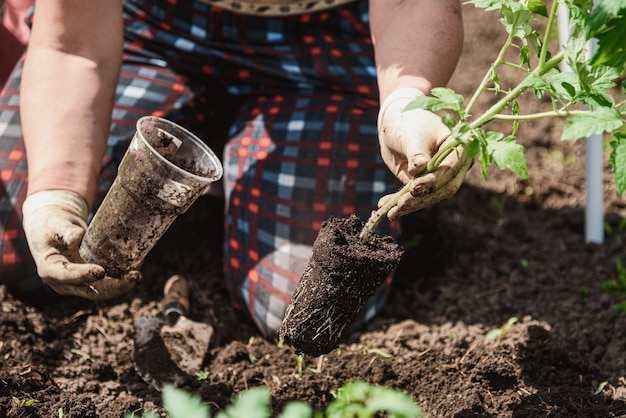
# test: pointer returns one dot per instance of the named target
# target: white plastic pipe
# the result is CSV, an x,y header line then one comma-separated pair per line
x,y
594,162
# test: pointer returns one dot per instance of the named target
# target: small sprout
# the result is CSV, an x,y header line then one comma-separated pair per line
x,y
318,369
280,342
202,374
617,286
25,403
378,351
600,388
299,362
498,332
81,354
253,359
383,354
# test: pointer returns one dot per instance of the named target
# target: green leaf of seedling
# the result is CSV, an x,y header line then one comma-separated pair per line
x,y
81,354
506,153
396,404
441,99
180,404
538,7
600,388
562,86
296,409
516,20
253,403
360,399
487,4
602,14
606,24
524,55
515,111
596,122
618,162
378,351
611,49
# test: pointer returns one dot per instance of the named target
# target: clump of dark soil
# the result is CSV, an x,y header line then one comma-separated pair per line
x,y
343,272
499,249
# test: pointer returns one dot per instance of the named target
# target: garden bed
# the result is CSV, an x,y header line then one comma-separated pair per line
x,y
500,249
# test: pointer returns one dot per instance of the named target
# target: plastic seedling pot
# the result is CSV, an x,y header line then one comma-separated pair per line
x,y
165,169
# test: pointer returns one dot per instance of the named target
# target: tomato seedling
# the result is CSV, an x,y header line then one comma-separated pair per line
x,y
582,97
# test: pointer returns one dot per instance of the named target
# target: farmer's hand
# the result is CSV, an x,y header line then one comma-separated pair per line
x,y
408,141
55,222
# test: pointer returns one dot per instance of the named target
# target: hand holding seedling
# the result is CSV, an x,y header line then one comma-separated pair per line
x,y
408,141
583,97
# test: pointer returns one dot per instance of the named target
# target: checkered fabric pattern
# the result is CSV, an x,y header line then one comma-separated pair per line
x,y
299,97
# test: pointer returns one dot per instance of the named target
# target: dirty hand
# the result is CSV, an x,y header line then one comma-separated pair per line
x,y
408,141
54,222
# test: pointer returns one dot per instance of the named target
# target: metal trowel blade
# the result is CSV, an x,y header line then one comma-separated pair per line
x,y
169,354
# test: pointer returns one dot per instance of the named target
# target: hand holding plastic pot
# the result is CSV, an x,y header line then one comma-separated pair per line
x,y
165,169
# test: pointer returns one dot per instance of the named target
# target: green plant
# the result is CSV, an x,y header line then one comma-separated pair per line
x,y
582,97
202,374
377,351
81,354
617,286
299,364
23,403
362,400
616,232
503,330
353,400
253,359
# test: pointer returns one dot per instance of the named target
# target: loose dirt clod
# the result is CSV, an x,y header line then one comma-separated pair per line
x,y
343,273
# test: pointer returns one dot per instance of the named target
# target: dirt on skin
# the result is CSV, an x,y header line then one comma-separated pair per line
x,y
499,249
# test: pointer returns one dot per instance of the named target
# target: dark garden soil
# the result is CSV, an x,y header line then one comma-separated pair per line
x,y
500,249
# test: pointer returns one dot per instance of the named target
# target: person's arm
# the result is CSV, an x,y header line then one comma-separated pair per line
x,y
417,42
70,75
67,93
417,45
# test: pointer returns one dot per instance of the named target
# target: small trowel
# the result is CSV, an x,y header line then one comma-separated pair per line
x,y
171,349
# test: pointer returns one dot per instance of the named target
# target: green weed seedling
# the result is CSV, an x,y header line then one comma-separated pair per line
x,y
299,365
81,354
363,400
617,286
26,403
499,332
202,374
253,359
616,232
353,400
377,351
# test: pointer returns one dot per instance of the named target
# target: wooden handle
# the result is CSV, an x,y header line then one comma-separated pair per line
x,y
175,298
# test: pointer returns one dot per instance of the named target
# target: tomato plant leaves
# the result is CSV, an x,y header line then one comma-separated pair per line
x,y
584,96
618,161
602,120
441,99
538,7
506,153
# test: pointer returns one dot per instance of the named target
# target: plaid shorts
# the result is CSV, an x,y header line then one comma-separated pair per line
x,y
291,101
